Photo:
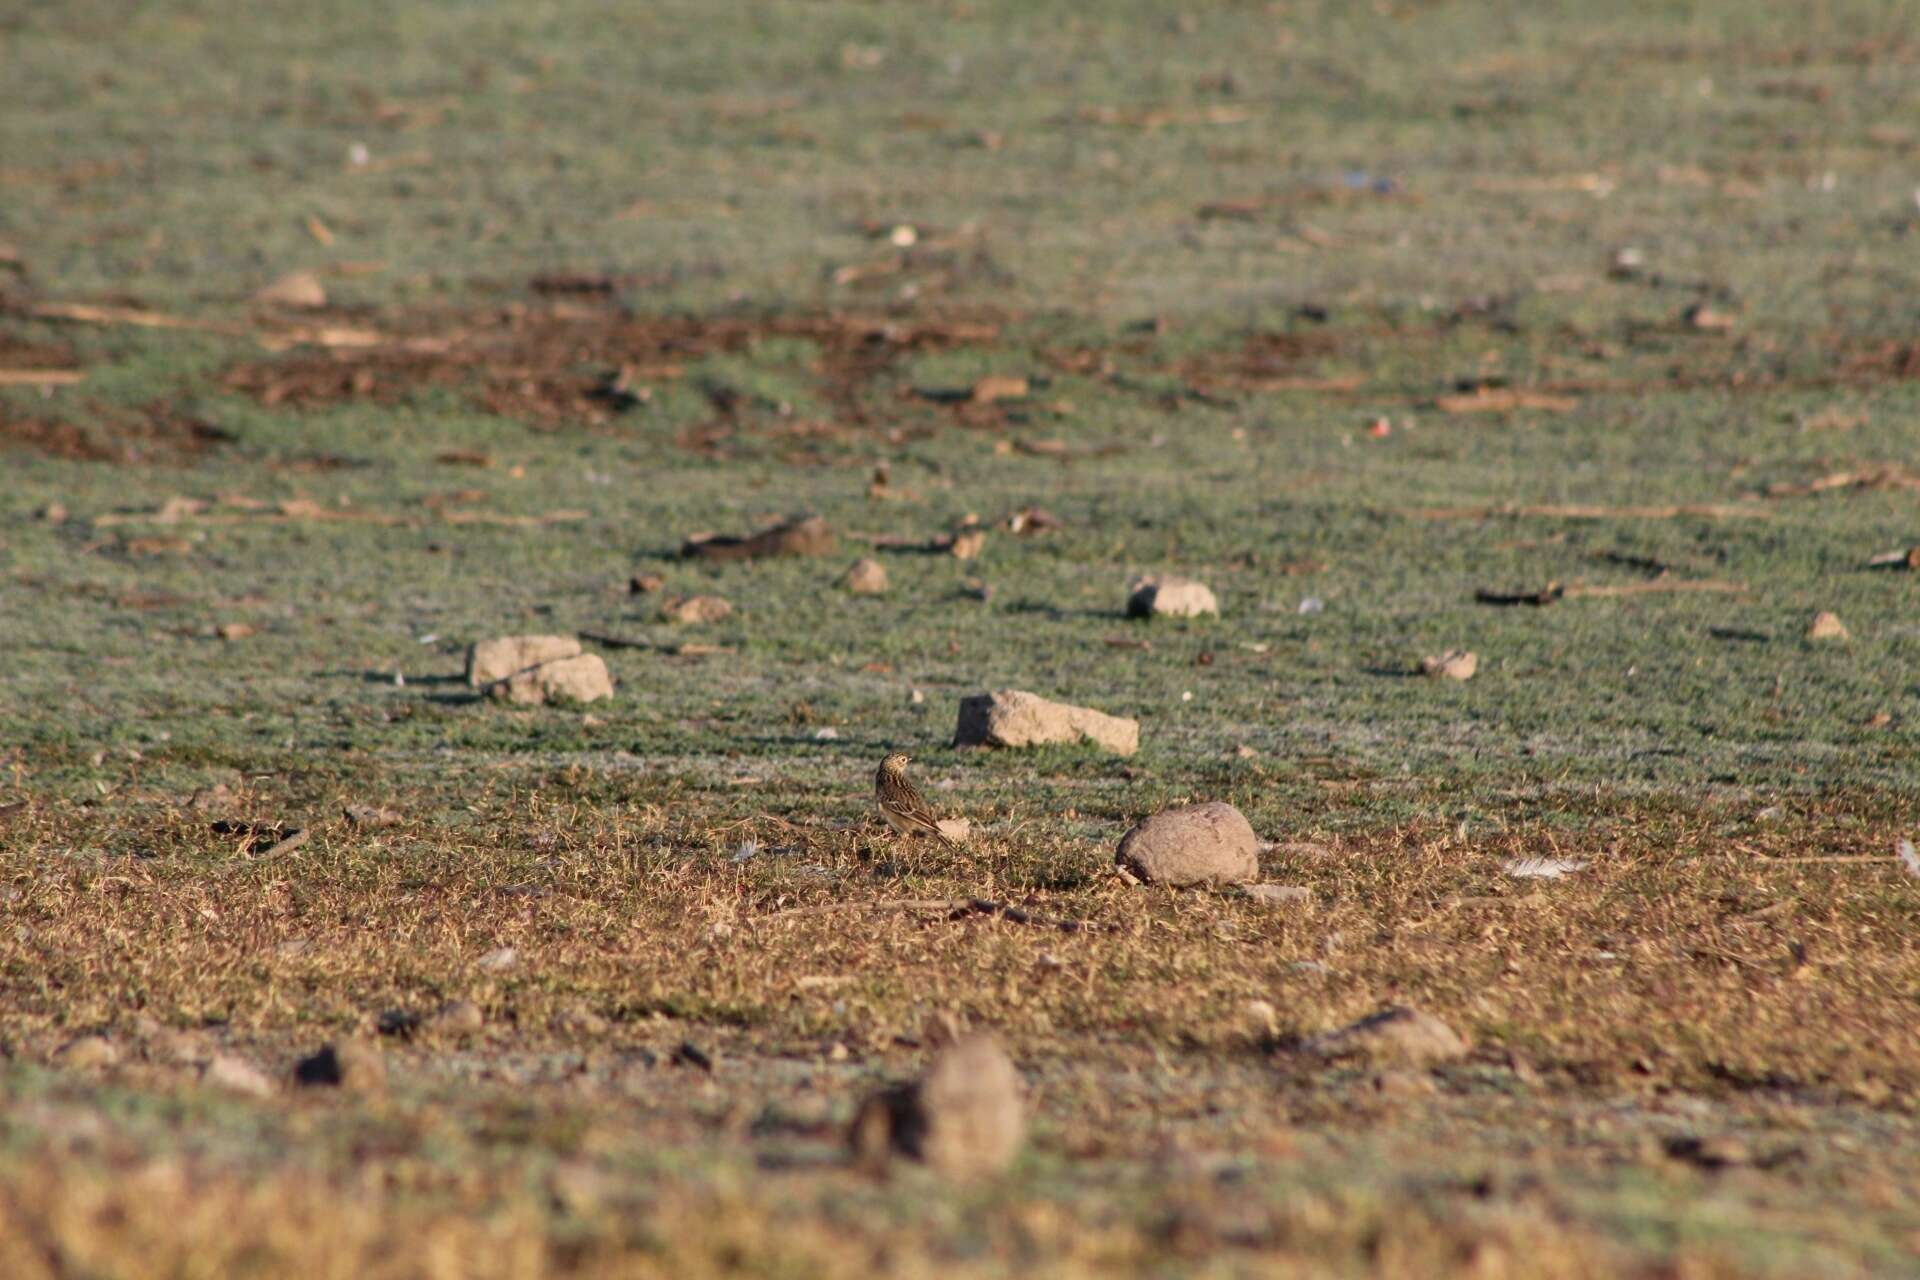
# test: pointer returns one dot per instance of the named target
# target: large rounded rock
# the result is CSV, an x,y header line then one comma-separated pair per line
x,y
1168,595
962,1118
496,659
1201,844
1015,718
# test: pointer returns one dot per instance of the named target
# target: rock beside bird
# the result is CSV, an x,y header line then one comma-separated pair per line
x,y
1209,843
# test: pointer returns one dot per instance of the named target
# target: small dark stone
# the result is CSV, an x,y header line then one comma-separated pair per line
x,y
690,1054
322,1068
352,1064
398,1022
1720,1152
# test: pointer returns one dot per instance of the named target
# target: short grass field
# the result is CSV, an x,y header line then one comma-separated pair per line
x,y
1360,313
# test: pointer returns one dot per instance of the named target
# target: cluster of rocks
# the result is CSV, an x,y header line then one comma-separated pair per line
x,y
182,1054
531,670
963,1116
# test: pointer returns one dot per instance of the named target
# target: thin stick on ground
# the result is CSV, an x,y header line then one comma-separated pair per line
x,y
41,377
280,848
1556,591
272,340
1837,858
1705,510
956,907
1657,587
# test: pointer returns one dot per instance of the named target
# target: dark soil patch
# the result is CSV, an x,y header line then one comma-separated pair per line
x,y
19,353
569,364
1634,358
151,434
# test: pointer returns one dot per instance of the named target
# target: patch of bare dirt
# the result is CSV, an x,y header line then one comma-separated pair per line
x,y
20,353
1640,359
565,363
1884,361
155,433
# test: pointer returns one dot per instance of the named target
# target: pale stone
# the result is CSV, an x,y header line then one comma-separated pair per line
x,y
1015,718
696,609
1454,664
1278,895
968,544
1169,596
496,659
1200,844
582,678
235,1075
867,577
85,1053
300,289
1827,626
457,1018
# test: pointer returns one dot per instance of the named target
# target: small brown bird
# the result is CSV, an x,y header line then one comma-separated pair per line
x,y
900,802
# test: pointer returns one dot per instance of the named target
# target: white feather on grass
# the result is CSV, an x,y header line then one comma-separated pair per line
x,y
1912,859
